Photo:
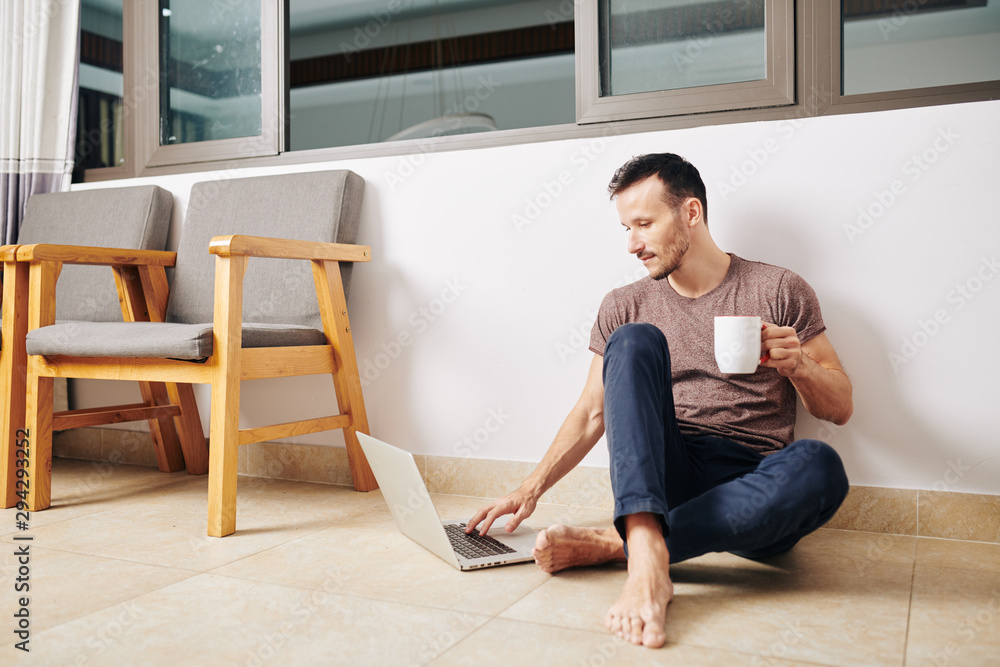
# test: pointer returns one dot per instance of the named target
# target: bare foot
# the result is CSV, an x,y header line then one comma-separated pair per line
x,y
640,615
559,547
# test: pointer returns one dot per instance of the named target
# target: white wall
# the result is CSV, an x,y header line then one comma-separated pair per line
x,y
467,313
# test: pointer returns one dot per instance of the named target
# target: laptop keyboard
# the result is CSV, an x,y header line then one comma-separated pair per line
x,y
473,545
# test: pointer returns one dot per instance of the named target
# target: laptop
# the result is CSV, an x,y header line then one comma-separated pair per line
x,y
416,517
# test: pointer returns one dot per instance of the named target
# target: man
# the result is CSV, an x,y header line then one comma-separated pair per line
x,y
700,461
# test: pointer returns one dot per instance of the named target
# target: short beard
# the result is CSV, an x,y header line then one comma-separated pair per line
x,y
662,273
677,252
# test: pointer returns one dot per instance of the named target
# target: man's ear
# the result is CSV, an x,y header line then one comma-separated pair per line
x,y
693,210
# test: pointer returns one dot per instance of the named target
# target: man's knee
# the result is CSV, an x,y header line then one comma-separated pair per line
x,y
819,467
637,338
804,484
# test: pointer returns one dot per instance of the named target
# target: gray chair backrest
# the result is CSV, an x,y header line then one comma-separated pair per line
x,y
133,217
313,206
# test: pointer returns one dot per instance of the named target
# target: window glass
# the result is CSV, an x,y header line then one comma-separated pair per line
x,y
659,45
373,71
99,138
210,70
904,44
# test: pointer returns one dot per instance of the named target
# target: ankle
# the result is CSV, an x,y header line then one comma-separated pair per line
x,y
643,528
644,535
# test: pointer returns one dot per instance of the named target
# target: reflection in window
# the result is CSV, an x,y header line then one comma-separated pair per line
x,y
905,44
210,70
372,71
654,45
99,138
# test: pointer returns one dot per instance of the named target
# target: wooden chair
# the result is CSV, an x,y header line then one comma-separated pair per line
x,y
280,317
14,302
132,217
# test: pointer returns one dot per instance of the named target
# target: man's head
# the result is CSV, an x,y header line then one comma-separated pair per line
x,y
661,203
679,177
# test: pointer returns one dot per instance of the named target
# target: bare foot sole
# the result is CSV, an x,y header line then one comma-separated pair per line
x,y
559,547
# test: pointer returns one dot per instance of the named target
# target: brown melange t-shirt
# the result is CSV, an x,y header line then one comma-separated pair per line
x,y
758,409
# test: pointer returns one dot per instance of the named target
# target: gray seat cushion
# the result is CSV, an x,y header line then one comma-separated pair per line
x,y
156,339
133,217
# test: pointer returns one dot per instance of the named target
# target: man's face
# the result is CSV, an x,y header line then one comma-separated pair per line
x,y
657,233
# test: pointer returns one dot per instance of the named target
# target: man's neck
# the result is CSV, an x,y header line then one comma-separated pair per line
x,y
701,271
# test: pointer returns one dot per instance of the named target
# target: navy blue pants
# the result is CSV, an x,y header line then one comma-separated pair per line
x,y
712,494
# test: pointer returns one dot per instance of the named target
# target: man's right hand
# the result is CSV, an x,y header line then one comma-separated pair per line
x,y
581,430
520,503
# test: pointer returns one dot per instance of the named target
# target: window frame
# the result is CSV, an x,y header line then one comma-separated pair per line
x,y
776,89
123,170
817,80
829,42
145,51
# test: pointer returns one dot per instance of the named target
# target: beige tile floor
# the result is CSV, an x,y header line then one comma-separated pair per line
x,y
121,573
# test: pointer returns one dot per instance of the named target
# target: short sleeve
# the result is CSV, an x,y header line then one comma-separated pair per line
x,y
609,318
799,307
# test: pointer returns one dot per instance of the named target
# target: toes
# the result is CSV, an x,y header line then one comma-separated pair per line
x,y
542,540
628,628
609,623
555,531
542,553
642,625
625,628
653,634
546,566
633,629
653,638
613,622
636,626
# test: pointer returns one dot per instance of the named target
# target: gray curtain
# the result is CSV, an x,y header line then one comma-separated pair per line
x,y
39,47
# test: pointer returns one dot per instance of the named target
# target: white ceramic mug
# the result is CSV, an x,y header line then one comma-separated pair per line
x,y
737,344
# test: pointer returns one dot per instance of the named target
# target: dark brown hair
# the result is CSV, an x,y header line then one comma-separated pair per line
x,y
680,178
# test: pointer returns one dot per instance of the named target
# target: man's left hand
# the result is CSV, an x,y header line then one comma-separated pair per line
x,y
782,347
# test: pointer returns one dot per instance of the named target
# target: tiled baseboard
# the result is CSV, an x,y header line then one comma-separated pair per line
x,y
942,514
945,514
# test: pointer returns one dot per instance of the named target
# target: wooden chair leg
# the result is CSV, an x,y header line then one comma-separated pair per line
x,y
42,279
222,458
39,429
169,457
188,425
12,395
13,362
224,433
349,399
142,292
346,379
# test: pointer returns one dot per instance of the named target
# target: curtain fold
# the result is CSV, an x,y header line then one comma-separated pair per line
x,y
39,64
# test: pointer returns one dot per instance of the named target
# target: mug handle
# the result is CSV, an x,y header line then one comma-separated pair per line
x,y
767,355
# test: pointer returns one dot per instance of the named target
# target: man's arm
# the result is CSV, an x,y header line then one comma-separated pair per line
x,y
814,369
581,430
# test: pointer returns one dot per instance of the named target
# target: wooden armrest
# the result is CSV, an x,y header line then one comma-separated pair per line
x,y
261,246
70,254
8,253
